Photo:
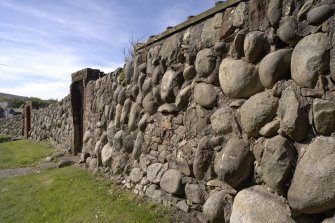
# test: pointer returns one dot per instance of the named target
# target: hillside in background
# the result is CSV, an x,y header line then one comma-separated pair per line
x,y
11,96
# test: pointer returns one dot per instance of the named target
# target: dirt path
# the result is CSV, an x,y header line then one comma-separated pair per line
x,y
17,172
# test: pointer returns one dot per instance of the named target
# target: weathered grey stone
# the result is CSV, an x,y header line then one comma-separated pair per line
x,y
255,204
293,118
274,12
270,129
183,97
210,31
167,86
128,71
203,159
274,67
122,96
110,132
149,192
239,79
257,111
222,120
143,122
239,14
128,143
98,147
255,45
146,87
227,27
143,68
125,111
136,175
65,163
134,116
287,32
170,47
117,119
149,103
137,146
189,72
194,193
205,94
214,207
118,140
220,48
182,205
155,172
182,164
319,14
312,189
324,116
194,122
310,59
205,62
106,154
157,75
167,108
235,162
277,162
304,9
171,182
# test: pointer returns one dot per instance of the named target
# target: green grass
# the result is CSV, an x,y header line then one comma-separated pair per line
x,y
72,195
22,152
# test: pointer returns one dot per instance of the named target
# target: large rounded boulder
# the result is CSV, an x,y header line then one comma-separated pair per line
x,y
310,59
239,79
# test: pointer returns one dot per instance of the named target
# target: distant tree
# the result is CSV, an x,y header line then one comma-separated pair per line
x,y
13,102
128,50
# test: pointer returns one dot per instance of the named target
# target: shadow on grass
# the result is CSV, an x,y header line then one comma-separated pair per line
x,y
4,138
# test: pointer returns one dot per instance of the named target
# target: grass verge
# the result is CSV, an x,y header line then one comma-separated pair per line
x,y
22,152
72,195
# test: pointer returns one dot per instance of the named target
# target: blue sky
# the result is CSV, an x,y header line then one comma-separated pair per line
x,y
43,41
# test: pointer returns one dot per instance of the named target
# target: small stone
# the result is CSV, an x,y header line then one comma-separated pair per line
x,y
203,158
220,48
149,192
270,129
167,108
274,67
257,111
149,103
167,86
319,14
222,120
312,189
155,172
238,44
205,62
239,79
189,72
239,14
234,163
183,206
227,27
310,59
171,182
134,116
136,175
106,154
274,12
65,163
255,45
205,94
194,193
293,118
183,97
214,207
118,140
324,116
257,203
278,160
287,32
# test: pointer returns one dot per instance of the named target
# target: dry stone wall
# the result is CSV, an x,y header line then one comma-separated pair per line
x,y
232,118
54,124
12,126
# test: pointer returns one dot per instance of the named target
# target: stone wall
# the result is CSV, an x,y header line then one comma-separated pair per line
x,y
54,124
12,126
231,118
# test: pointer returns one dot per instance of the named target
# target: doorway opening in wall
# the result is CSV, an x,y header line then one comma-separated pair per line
x,y
77,112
